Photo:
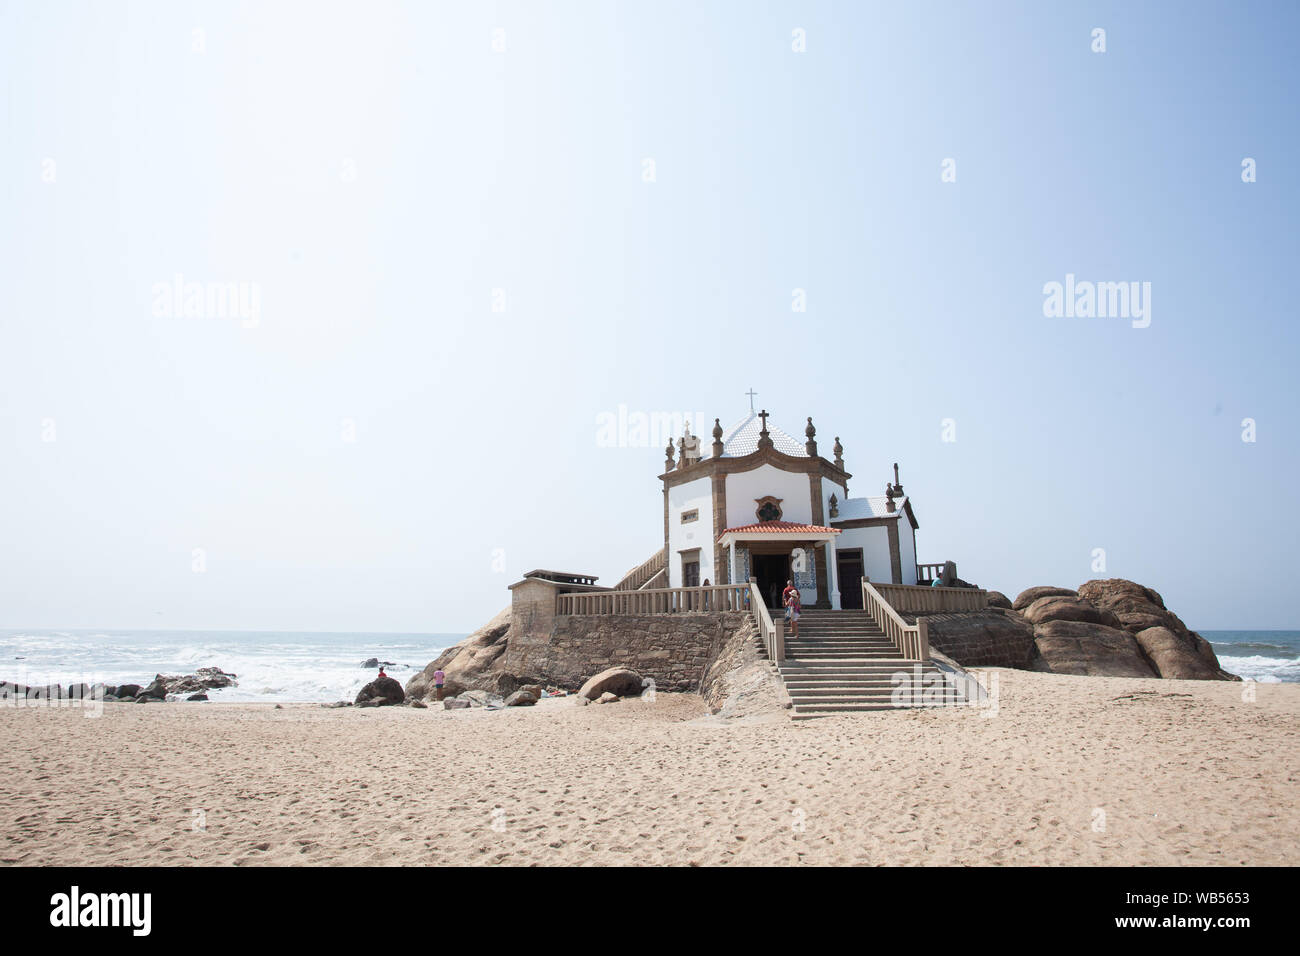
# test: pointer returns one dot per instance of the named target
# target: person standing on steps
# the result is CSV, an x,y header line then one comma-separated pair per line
x,y
793,605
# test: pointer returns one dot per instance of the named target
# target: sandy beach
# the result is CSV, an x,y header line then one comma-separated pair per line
x,y
1070,770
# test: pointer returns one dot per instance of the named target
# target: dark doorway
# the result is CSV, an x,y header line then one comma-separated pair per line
x,y
848,569
771,571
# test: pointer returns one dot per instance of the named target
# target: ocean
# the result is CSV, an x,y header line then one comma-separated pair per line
x,y
305,667
271,666
1270,657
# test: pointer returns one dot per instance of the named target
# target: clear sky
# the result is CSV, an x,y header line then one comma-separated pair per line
x,y
453,264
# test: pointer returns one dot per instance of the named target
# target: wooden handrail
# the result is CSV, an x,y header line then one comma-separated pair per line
x,y
772,633
643,572
919,598
911,640
714,598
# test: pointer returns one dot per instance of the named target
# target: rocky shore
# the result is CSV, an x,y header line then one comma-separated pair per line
x,y
1105,628
163,687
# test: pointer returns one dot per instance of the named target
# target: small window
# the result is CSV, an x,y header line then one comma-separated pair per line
x,y
689,516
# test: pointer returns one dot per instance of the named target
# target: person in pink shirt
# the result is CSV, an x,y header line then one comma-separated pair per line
x,y
438,679
793,605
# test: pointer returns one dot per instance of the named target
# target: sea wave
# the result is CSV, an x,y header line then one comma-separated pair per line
x,y
1263,668
288,668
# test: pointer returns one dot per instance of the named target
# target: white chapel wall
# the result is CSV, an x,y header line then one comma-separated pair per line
x,y
693,495
744,488
874,542
907,550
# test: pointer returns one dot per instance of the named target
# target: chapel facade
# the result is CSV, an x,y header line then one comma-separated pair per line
x,y
763,505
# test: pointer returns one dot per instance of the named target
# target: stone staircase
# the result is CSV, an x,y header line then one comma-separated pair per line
x,y
842,662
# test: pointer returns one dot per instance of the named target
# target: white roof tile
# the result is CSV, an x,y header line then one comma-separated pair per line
x,y
742,439
870,507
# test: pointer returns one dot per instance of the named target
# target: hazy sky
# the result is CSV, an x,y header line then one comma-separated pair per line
x,y
453,263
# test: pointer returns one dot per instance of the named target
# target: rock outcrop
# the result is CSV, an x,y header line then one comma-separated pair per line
x,y
1111,627
380,692
619,681
1030,595
471,664
1175,650
1061,607
1086,648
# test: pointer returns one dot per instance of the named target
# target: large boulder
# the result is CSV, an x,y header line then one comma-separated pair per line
x,y
470,665
1030,595
1137,607
994,637
998,599
381,690
1175,656
1140,609
521,698
1062,607
621,681
1095,650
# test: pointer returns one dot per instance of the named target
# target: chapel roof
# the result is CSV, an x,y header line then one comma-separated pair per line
x,y
780,527
872,506
742,439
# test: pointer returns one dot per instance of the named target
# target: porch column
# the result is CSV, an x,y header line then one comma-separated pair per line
x,y
731,557
834,574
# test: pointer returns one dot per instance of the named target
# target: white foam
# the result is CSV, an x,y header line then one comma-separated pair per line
x,y
1266,670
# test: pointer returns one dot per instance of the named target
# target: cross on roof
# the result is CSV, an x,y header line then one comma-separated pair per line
x,y
751,393
763,415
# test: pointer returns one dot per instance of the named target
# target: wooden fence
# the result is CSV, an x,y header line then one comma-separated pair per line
x,y
702,600
916,599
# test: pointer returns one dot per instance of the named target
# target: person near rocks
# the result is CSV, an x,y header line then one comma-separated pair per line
x,y
438,679
381,672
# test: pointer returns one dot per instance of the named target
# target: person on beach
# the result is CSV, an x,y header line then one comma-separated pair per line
x,y
793,605
438,678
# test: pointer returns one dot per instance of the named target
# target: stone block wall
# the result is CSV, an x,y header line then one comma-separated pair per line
x,y
989,638
674,650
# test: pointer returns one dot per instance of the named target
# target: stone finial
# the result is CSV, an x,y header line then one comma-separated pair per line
x,y
717,438
839,453
811,445
668,454
764,439
889,498
690,447
835,507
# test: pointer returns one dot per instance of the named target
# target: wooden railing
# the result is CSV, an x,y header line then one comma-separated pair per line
x,y
771,632
642,573
917,599
911,640
925,573
715,598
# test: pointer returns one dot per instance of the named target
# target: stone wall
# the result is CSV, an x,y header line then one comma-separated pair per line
x,y
674,650
989,638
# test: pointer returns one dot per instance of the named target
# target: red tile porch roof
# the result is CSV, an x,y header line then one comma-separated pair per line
x,y
780,527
